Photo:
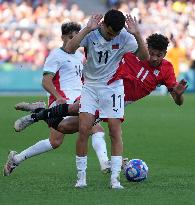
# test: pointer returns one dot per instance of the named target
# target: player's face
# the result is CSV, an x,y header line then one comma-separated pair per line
x,y
68,37
108,33
156,57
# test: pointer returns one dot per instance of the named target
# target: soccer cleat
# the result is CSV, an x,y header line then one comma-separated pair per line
x,y
10,164
25,106
81,181
23,122
80,184
106,167
115,184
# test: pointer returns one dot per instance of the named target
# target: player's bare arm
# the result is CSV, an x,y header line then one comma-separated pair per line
x,y
132,27
93,23
177,92
49,87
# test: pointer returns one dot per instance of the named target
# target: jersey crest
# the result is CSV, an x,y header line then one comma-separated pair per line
x,y
156,72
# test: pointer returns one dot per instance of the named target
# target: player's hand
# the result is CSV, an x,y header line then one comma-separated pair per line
x,y
180,88
61,100
94,22
131,24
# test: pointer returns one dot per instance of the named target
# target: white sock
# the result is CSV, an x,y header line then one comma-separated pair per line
x,y
81,164
99,145
116,163
38,148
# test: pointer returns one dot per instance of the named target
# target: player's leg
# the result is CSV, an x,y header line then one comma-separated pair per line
x,y
69,125
112,108
42,146
14,158
32,106
98,140
54,141
99,145
51,114
86,121
56,138
88,107
116,151
61,110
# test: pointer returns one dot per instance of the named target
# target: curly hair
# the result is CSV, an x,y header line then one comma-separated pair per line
x,y
158,42
115,19
70,27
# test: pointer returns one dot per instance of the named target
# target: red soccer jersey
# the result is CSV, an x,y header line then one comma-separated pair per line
x,y
140,78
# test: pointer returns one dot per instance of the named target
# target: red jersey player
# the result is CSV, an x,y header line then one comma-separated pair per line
x,y
142,77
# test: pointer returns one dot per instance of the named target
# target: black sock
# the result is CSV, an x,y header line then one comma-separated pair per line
x,y
58,111
38,110
54,122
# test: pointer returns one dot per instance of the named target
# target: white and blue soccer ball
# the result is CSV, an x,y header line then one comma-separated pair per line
x,y
136,170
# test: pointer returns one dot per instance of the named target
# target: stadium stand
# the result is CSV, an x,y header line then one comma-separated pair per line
x,y
30,29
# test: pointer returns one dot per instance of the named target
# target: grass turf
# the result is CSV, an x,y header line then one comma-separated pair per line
x,y
155,130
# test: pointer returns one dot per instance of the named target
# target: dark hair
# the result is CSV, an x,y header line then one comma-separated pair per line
x,y
70,27
115,19
158,42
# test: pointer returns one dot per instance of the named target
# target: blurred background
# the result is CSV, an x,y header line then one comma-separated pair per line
x,y
30,29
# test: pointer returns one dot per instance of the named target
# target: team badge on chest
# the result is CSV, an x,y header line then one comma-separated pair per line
x,y
156,72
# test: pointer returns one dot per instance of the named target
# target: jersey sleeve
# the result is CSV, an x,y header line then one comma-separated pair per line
x,y
51,64
130,43
170,79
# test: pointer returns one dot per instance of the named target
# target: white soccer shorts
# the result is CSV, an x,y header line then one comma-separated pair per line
x,y
108,99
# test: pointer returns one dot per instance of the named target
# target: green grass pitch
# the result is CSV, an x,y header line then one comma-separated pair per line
x,y
155,130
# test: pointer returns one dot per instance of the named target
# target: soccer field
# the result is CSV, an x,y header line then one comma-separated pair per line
x,y
155,130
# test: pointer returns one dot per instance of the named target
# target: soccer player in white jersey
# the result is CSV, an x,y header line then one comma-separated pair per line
x,y
62,81
105,43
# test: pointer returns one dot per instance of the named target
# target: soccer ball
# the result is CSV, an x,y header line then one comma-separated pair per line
x,y
136,170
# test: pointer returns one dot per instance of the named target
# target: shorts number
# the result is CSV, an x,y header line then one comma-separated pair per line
x,y
114,98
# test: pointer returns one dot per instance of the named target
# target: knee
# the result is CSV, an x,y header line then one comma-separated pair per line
x,y
85,125
97,128
56,142
84,130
